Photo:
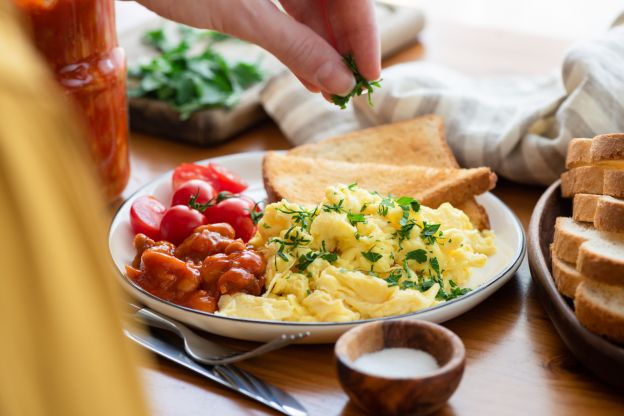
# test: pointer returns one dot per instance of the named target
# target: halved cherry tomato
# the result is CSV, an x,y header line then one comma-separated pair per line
x,y
236,211
146,214
202,191
220,178
189,171
179,222
227,181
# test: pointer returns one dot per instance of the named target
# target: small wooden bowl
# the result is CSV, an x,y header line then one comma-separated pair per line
x,y
400,396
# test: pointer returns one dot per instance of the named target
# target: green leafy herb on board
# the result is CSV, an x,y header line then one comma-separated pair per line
x,y
191,79
361,85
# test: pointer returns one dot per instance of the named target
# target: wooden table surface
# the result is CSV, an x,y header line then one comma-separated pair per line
x,y
516,363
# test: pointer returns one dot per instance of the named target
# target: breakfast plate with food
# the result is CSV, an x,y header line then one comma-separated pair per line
x,y
320,238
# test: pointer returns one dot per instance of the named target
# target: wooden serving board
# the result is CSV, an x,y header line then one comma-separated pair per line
x,y
398,27
602,357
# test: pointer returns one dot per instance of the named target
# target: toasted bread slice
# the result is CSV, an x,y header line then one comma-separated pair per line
x,y
419,141
286,176
566,277
606,150
605,212
592,180
596,255
600,308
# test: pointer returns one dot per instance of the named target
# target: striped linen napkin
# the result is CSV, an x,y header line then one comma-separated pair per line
x,y
520,127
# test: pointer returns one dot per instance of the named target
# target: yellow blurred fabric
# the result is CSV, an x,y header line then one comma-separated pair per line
x,y
61,348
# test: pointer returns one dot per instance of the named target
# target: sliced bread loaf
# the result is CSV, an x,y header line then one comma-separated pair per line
x,y
600,308
595,254
605,212
606,150
592,180
569,235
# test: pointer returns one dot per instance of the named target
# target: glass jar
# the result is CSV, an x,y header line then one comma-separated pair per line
x,y
78,39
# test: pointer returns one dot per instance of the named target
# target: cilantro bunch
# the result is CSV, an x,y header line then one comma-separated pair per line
x,y
361,85
189,78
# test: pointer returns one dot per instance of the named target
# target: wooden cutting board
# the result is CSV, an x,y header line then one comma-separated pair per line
x,y
398,27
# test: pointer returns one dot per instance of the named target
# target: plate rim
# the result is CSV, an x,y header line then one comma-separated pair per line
x,y
519,256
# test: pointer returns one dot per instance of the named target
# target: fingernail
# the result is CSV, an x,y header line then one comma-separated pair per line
x,y
335,78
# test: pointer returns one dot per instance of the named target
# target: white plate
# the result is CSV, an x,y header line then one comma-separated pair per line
x,y
500,268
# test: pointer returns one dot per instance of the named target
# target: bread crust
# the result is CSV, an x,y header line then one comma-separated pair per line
x,y
606,150
567,242
597,315
584,207
592,180
565,275
285,176
609,215
594,263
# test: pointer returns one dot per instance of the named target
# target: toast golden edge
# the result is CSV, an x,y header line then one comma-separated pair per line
x,y
460,192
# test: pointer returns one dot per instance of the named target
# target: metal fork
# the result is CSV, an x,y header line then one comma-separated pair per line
x,y
206,351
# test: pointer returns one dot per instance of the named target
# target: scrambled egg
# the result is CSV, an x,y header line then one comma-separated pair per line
x,y
360,255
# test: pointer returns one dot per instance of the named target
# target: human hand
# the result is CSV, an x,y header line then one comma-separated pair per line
x,y
300,39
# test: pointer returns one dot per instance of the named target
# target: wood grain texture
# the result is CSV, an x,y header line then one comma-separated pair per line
x,y
516,364
406,396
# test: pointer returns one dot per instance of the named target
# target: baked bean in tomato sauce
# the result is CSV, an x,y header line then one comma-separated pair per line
x,y
207,264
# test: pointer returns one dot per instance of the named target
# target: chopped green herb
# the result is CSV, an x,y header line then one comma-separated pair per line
x,y
361,85
394,277
355,218
426,285
428,232
404,232
433,261
455,292
334,207
419,255
301,216
408,202
371,256
384,205
352,186
282,255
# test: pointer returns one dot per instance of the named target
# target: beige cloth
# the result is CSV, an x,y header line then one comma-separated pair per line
x,y
520,127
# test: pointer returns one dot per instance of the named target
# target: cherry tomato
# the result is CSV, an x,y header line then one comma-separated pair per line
x,y
236,211
188,171
179,222
227,181
146,214
204,191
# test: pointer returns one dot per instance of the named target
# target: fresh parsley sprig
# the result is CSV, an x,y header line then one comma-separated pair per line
x,y
361,85
187,79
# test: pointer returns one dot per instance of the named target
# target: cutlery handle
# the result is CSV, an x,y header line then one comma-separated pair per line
x,y
226,375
